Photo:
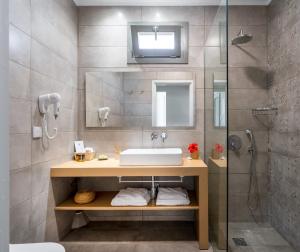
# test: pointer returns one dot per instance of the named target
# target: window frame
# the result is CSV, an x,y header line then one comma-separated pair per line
x,y
178,55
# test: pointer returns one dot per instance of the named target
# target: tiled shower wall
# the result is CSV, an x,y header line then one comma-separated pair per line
x,y
284,93
247,90
43,59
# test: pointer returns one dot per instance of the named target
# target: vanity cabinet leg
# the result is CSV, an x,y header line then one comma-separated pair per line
x,y
202,213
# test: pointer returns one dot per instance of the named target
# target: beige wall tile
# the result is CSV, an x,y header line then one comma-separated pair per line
x,y
109,15
20,221
247,57
19,46
140,75
38,210
51,36
39,84
247,98
248,77
38,232
137,85
196,37
40,178
212,57
20,154
20,189
212,34
20,121
241,163
193,15
113,36
175,76
103,56
196,57
250,15
19,14
214,15
19,81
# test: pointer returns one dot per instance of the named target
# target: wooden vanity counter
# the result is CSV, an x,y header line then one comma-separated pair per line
x,y
112,168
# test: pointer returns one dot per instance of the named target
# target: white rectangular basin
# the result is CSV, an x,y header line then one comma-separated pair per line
x,y
158,156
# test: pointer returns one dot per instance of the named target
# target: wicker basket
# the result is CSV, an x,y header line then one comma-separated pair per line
x,y
89,156
84,197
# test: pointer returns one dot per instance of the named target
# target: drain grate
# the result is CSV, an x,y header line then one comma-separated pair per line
x,y
239,242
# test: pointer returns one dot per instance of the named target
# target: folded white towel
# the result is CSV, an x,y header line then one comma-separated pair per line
x,y
172,197
131,197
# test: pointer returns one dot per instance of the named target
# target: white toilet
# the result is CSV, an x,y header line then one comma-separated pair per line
x,y
36,247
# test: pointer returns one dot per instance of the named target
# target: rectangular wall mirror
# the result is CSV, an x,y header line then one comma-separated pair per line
x,y
146,99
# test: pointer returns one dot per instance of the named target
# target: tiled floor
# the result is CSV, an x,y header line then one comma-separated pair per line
x,y
134,237
259,238
190,246
158,238
134,231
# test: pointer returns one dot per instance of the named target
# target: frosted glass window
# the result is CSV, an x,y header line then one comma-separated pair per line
x,y
220,108
159,40
220,99
161,115
158,43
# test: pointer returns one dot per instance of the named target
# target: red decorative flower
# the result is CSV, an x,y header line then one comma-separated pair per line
x,y
193,148
219,148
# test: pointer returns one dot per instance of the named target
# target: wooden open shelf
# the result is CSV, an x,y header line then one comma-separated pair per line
x,y
103,202
112,168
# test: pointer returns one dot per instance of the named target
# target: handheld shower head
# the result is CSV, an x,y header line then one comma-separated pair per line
x,y
252,147
249,132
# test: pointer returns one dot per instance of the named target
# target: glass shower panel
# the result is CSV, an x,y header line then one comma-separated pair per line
x,y
263,91
215,72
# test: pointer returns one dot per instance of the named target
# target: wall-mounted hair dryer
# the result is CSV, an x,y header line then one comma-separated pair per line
x,y
44,102
103,114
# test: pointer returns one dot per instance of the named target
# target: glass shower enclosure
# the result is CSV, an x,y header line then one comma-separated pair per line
x,y
216,120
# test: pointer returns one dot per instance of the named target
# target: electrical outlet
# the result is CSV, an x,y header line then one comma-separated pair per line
x,y
37,132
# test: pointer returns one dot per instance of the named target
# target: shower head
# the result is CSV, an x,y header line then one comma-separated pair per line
x,y
241,38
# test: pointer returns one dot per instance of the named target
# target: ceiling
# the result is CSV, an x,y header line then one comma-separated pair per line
x,y
167,2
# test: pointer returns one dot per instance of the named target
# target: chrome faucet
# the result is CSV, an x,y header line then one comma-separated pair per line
x,y
164,136
154,136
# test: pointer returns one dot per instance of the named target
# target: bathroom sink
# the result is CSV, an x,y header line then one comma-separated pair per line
x,y
158,156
